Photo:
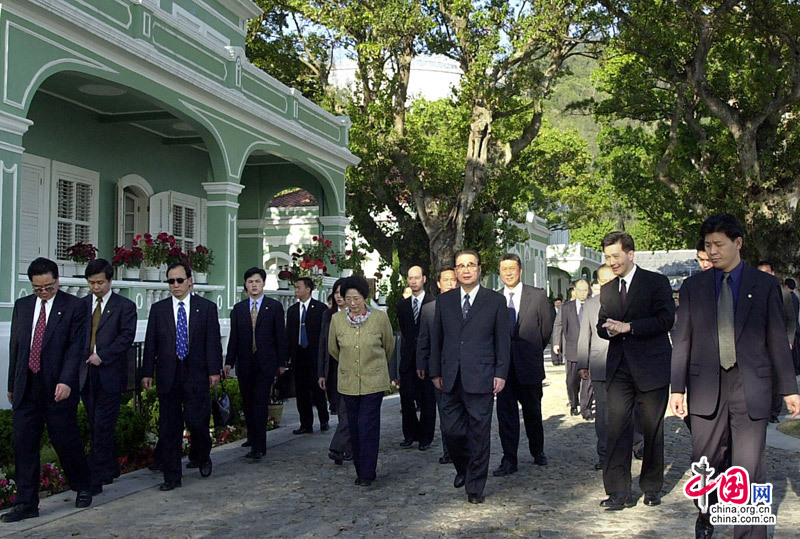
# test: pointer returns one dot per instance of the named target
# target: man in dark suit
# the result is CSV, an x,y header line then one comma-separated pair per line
x,y
554,357
636,314
412,389
104,374
566,329
303,325
791,285
470,346
530,317
730,336
182,347
257,348
46,349
446,282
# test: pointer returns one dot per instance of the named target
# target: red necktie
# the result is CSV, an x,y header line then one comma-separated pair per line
x,y
35,358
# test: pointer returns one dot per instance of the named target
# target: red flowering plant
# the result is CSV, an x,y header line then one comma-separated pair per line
x,y
8,491
352,258
201,259
51,479
155,250
82,253
130,258
311,262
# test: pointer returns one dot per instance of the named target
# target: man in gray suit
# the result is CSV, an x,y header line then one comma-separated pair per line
x,y
566,328
470,346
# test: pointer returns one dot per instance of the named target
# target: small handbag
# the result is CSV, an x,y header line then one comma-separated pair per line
x,y
221,406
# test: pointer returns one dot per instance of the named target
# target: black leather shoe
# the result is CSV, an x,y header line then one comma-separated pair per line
x,y
324,426
302,430
192,464
424,447
459,481
254,455
169,485
475,498
598,465
19,512
365,482
335,457
574,411
652,499
83,499
347,458
248,443
618,501
96,489
703,529
408,442
205,468
540,459
505,468
445,460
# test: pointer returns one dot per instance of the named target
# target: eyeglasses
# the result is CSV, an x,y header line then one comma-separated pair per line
x,y
46,288
469,265
179,280
353,299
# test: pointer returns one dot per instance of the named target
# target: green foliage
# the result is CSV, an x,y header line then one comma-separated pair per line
x,y
150,409
6,439
396,286
131,433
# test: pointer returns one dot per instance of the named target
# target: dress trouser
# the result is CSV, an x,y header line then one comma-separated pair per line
x,y
255,386
340,442
731,434
530,397
573,384
408,405
622,394
364,419
37,409
586,397
438,396
102,408
308,392
601,418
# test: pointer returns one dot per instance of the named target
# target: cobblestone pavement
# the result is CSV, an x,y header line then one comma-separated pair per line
x,y
296,491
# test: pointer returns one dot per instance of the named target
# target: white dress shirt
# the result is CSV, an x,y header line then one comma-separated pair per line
x,y
48,306
185,308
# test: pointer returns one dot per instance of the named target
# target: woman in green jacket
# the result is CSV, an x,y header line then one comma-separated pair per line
x,y
361,339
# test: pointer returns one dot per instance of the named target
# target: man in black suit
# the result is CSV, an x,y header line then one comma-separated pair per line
x,y
182,347
46,349
303,325
412,389
636,314
446,282
566,329
791,285
530,317
554,357
730,336
257,348
104,374
470,346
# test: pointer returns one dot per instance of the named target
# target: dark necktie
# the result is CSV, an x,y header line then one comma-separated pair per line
x,y
182,341
512,313
253,319
580,311
623,293
465,307
303,334
415,306
725,324
96,322
35,358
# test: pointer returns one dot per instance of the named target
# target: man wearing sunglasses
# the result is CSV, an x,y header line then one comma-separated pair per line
x,y
183,348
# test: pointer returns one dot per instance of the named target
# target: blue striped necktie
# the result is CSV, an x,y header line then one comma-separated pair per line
x,y
182,344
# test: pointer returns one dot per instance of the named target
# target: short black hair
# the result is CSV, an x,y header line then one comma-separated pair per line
x,y
357,283
255,271
511,256
765,263
182,264
727,223
790,284
558,298
448,268
700,247
100,265
307,280
472,252
42,265
623,238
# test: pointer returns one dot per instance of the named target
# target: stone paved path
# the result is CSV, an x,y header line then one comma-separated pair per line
x,y
295,491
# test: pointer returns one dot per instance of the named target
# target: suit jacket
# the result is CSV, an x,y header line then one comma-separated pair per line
x,y
760,335
62,349
271,348
592,350
204,358
789,313
313,327
650,311
409,331
426,316
531,334
566,329
478,347
116,332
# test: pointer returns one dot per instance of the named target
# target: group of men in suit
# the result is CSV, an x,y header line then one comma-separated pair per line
x,y
566,330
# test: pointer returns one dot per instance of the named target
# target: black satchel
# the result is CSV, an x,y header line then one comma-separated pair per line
x,y
284,386
221,407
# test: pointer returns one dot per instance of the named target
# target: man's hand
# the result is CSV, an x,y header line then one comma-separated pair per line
x,y
677,404
62,392
281,370
421,374
95,360
213,380
396,382
556,349
499,384
321,383
437,382
11,396
227,371
584,373
792,404
615,327
147,383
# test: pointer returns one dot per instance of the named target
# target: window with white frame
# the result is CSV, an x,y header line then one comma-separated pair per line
x,y
74,199
181,215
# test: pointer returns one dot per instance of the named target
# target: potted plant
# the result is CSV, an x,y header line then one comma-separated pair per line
x,y
381,287
352,261
285,278
154,253
130,260
201,259
81,253
313,261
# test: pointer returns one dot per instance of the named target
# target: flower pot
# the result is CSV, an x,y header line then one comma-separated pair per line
x,y
275,411
131,274
283,284
347,272
152,273
200,277
80,269
381,300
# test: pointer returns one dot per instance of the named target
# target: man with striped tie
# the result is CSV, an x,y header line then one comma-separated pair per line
x,y
182,347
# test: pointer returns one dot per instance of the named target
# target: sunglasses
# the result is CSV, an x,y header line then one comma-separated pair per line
x,y
179,280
